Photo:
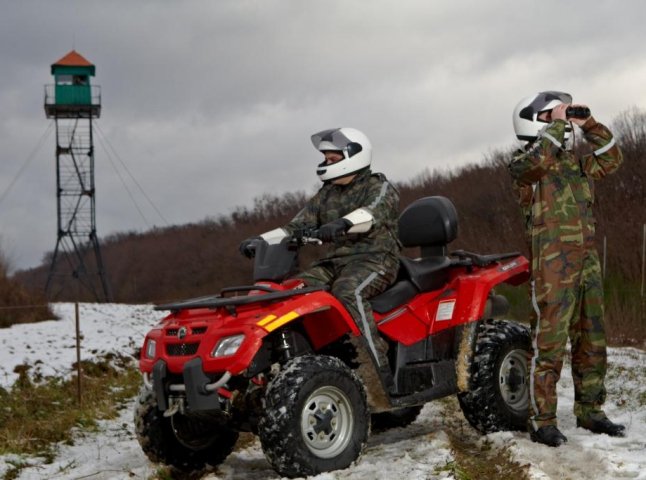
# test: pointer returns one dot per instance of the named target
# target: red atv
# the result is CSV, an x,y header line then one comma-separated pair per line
x,y
287,362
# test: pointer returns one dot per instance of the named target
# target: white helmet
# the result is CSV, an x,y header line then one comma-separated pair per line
x,y
354,145
526,122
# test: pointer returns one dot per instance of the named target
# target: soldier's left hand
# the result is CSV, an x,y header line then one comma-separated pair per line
x,y
578,121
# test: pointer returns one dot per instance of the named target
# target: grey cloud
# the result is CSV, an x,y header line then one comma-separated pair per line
x,y
212,103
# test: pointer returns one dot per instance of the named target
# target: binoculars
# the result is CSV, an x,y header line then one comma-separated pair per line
x,y
577,112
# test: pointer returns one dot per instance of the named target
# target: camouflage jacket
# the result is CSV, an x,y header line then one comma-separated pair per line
x,y
367,190
555,188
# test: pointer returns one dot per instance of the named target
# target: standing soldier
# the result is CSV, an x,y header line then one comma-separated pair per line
x,y
358,265
555,191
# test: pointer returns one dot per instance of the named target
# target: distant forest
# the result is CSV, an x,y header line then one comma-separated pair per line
x,y
201,258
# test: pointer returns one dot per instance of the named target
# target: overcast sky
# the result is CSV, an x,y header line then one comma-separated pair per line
x,y
210,104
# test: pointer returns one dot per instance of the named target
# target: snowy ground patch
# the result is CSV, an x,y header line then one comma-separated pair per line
x,y
420,451
50,346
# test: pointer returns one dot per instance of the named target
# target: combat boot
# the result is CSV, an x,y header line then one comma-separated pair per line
x,y
548,435
602,424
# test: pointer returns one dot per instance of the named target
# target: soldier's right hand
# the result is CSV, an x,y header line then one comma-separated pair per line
x,y
248,247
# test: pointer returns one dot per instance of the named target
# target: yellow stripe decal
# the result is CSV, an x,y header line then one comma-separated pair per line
x,y
281,321
266,320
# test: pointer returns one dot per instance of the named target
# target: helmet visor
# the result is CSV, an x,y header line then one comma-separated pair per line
x,y
331,139
544,101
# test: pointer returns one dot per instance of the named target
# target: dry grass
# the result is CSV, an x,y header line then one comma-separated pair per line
x,y
625,313
36,415
17,304
475,458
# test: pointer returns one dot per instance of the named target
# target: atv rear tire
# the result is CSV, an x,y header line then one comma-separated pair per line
x,y
499,394
181,442
316,417
401,417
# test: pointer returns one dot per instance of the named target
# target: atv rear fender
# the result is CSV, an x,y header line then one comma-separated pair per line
x,y
476,286
465,298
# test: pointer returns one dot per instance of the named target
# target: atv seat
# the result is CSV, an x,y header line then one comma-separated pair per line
x,y
430,223
400,293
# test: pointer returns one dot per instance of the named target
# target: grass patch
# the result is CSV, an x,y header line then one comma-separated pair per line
x,y
625,313
15,467
473,457
36,414
480,460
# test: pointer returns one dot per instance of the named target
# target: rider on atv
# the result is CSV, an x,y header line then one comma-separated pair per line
x,y
293,364
362,261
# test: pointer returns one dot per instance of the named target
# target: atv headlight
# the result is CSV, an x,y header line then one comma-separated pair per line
x,y
227,346
151,348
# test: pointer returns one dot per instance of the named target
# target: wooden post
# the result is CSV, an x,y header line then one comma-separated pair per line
x,y
78,354
643,258
605,249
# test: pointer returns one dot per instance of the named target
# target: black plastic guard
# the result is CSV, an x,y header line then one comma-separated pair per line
x,y
159,378
197,397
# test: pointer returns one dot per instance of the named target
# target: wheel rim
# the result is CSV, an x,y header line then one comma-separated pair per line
x,y
513,380
327,422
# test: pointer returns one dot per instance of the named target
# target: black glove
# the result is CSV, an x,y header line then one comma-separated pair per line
x,y
330,231
248,247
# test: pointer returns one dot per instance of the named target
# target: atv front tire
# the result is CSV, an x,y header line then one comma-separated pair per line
x,y
184,443
316,417
498,398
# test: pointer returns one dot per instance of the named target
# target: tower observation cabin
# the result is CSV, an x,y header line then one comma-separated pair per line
x,y
72,96
73,103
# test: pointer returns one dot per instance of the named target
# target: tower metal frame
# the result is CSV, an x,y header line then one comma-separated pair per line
x,y
77,254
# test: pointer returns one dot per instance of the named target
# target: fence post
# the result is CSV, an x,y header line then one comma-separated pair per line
x,y
78,354
605,251
643,259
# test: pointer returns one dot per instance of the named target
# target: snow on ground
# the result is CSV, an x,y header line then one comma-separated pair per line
x,y
50,347
420,451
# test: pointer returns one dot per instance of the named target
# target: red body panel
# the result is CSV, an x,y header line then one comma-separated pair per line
x,y
460,301
326,320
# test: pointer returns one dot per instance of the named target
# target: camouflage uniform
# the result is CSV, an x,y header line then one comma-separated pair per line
x,y
358,266
555,190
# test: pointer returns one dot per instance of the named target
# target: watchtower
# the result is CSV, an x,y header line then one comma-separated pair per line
x,y
74,103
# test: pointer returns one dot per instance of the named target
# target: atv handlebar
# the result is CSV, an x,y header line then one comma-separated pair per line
x,y
297,238
306,236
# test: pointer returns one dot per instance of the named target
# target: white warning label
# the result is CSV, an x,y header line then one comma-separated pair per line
x,y
445,310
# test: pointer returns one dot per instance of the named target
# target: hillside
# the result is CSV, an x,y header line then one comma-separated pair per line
x,y
16,301
198,259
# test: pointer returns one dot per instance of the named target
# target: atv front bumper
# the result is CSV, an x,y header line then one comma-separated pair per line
x,y
200,391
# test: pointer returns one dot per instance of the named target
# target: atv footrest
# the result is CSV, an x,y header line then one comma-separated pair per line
x,y
431,379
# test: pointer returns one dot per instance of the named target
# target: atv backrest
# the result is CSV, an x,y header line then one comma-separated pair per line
x,y
430,223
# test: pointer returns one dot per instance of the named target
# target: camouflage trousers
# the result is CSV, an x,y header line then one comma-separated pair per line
x,y
567,295
353,282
